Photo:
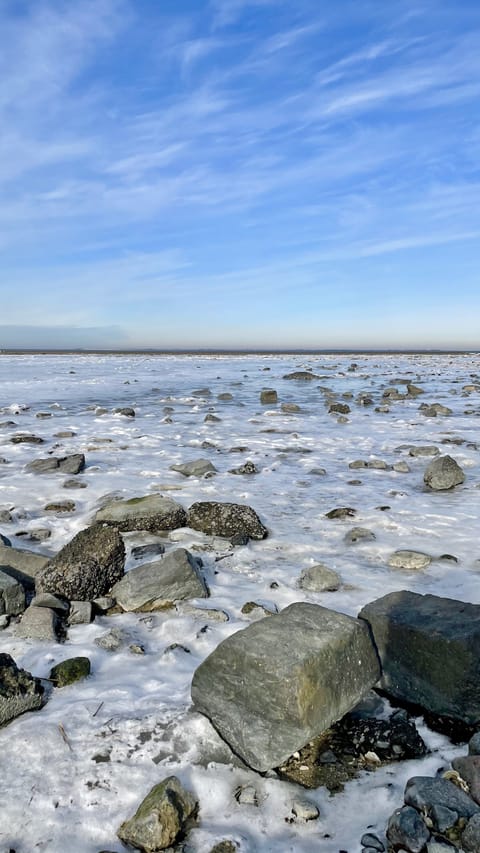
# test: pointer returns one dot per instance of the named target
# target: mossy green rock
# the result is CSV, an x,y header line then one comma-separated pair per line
x,y
161,817
69,671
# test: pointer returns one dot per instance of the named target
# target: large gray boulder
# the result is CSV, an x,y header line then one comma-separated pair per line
x,y
226,519
12,595
86,567
429,649
157,585
19,690
163,815
152,512
443,473
21,564
272,687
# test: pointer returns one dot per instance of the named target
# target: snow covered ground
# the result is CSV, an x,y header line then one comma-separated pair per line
x,y
72,772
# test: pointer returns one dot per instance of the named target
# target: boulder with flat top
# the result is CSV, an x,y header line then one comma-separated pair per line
x,y
429,649
272,687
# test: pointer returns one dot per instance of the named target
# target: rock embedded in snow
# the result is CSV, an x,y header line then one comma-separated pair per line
x,y
19,690
158,585
272,687
163,815
267,396
405,559
226,519
319,578
301,376
424,450
247,468
66,464
196,468
152,512
69,671
87,566
443,473
305,810
429,651
341,512
359,534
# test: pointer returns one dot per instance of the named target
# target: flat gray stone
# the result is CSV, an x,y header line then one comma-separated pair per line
x,y
152,512
430,652
81,613
158,585
319,578
443,473
196,468
12,595
359,534
226,519
39,623
19,690
405,559
87,566
272,687
22,564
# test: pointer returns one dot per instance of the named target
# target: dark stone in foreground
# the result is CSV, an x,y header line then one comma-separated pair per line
x,y
160,818
425,793
19,690
272,687
429,648
407,831
87,567
69,671
226,519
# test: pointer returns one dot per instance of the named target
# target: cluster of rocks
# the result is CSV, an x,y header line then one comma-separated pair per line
x,y
440,814
72,586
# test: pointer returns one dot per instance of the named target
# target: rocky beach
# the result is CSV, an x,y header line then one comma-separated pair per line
x,y
239,603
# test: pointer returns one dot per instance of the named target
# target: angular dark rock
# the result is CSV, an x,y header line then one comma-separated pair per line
x,y
429,650
160,818
87,566
407,831
226,519
19,690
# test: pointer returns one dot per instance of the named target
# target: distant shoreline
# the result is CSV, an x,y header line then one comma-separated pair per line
x,y
233,352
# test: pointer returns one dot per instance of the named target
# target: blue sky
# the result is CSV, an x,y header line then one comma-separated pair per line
x,y
240,173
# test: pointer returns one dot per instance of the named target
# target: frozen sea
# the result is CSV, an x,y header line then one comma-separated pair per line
x,y
72,772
